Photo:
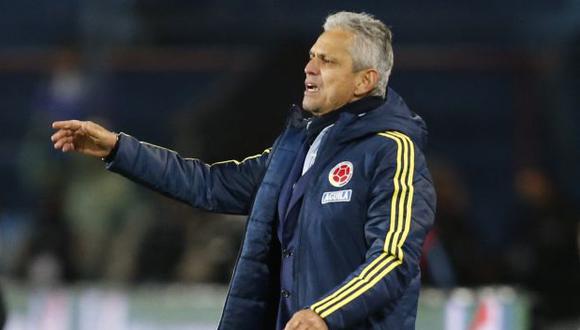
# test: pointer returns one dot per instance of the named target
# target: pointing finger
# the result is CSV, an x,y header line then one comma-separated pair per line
x,y
67,124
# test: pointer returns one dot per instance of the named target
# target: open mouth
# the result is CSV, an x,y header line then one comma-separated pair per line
x,y
311,88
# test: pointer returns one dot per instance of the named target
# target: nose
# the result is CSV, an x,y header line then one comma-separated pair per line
x,y
312,67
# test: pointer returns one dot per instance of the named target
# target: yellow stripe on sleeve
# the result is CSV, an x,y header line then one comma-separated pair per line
x,y
410,178
237,162
395,198
361,290
400,219
351,282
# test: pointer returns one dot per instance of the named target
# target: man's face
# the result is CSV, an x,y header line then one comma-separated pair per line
x,y
330,80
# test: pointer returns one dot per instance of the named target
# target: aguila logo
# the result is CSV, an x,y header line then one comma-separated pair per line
x,y
340,174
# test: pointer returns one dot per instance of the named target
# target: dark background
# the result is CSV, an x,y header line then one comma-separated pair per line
x,y
496,81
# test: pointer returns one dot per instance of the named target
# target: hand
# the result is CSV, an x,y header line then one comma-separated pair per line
x,y
83,136
306,320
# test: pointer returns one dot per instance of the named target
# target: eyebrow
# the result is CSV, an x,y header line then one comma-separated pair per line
x,y
322,56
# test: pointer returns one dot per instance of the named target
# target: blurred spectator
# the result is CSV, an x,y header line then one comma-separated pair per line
x,y
544,256
213,243
66,91
64,94
126,239
15,230
98,208
163,244
47,241
187,245
453,254
47,257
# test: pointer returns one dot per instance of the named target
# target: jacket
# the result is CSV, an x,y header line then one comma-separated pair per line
x,y
359,233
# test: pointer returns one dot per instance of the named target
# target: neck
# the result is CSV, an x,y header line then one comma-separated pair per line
x,y
357,107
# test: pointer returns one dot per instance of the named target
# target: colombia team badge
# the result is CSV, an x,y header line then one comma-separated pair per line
x,y
340,174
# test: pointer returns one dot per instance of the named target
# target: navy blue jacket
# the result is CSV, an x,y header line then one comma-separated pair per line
x,y
357,261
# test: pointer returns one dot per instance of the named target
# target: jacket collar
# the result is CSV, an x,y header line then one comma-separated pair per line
x,y
369,116
317,124
300,118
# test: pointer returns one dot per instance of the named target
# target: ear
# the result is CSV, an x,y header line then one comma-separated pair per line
x,y
366,81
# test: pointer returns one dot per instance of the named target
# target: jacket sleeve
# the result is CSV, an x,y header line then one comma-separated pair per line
x,y
400,211
225,187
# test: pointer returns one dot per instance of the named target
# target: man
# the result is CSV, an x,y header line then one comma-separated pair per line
x,y
338,207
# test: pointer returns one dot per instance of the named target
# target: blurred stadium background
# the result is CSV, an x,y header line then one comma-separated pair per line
x,y
498,83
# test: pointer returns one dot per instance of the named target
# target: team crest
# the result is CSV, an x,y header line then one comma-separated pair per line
x,y
340,174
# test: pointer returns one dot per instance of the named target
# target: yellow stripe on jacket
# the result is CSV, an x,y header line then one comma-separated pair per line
x,y
400,223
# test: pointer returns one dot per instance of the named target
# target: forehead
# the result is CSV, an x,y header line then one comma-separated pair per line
x,y
333,42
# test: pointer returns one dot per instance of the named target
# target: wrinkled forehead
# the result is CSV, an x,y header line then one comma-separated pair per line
x,y
333,42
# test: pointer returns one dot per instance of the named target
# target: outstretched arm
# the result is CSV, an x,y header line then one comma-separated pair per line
x,y
226,187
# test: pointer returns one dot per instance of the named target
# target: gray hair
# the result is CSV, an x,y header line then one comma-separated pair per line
x,y
371,47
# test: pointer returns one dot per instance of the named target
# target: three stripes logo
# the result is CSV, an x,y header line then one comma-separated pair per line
x,y
399,226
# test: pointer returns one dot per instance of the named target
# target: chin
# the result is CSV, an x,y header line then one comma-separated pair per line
x,y
307,106
313,110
